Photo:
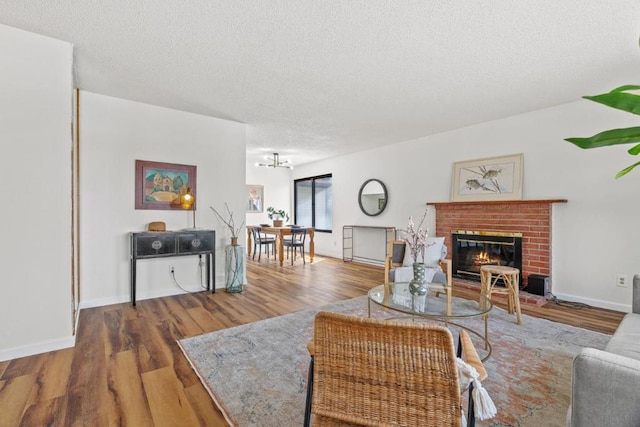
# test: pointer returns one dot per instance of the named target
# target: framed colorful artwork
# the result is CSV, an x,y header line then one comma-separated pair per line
x,y
160,185
255,198
493,178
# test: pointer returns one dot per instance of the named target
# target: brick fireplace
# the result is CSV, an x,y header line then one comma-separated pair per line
x,y
532,218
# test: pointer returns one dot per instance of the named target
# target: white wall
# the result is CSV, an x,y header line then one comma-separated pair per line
x,y
595,235
113,134
35,159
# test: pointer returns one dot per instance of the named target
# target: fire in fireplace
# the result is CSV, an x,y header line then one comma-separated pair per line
x,y
473,249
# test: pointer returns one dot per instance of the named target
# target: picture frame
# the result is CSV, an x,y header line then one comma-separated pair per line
x,y
491,178
255,198
159,185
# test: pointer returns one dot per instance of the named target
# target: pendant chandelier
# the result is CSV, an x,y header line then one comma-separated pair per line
x,y
276,162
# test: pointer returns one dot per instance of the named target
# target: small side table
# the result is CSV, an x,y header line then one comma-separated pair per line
x,y
489,276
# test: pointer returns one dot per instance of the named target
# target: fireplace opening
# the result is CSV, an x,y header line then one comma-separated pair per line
x,y
473,249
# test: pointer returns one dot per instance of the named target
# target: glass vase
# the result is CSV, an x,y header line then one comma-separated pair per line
x,y
418,285
234,268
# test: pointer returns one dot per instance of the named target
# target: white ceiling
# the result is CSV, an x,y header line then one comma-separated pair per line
x,y
314,79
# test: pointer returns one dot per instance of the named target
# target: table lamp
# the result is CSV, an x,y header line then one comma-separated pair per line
x,y
188,202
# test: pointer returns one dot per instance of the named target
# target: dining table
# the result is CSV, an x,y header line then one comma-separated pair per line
x,y
279,233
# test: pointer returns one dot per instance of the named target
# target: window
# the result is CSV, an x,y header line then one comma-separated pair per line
x,y
313,199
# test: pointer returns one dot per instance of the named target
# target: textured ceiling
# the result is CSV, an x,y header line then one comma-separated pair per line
x,y
317,78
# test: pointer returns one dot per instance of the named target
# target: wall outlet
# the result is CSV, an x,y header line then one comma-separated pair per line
x,y
622,280
172,270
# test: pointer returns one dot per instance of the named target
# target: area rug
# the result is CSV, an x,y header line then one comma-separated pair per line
x,y
256,373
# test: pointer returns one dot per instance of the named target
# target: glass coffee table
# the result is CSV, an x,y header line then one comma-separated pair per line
x,y
396,297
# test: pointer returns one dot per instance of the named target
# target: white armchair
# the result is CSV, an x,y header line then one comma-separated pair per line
x,y
398,265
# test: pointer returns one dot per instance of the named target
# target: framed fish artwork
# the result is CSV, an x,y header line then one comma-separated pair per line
x,y
493,178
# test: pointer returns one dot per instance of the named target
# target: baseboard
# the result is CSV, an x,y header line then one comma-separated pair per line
x,y
624,308
62,343
41,347
365,262
104,301
140,296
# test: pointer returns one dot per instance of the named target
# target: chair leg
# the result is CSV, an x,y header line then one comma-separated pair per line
x,y
307,409
471,416
516,298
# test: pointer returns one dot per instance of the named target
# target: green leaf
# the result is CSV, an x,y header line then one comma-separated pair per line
x,y
623,98
626,88
618,99
609,137
626,170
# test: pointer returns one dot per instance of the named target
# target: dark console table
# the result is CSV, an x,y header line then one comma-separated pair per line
x,y
173,243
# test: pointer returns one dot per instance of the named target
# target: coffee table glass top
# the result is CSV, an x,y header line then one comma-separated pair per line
x,y
397,297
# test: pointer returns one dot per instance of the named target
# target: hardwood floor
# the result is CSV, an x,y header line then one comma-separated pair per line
x,y
126,368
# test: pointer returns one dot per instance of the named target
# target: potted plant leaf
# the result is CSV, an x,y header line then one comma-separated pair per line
x,y
277,216
626,98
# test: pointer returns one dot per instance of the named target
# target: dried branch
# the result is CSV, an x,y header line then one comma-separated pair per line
x,y
416,238
229,223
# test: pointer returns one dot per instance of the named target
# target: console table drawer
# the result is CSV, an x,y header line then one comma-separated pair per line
x,y
196,242
153,245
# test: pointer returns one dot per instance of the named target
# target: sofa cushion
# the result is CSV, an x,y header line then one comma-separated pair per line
x,y
626,340
604,390
635,305
605,384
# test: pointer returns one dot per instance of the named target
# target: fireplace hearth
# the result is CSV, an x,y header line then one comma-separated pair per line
x,y
473,249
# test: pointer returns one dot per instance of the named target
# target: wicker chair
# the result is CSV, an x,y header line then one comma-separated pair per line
x,y
375,372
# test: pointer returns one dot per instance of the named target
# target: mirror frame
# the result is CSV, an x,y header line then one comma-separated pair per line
x,y
386,197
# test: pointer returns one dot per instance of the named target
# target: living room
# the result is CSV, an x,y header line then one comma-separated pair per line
x,y
593,234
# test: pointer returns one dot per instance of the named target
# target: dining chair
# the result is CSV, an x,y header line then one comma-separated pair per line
x,y
262,240
295,243
383,372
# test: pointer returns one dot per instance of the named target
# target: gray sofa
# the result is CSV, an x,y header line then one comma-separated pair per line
x,y
605,384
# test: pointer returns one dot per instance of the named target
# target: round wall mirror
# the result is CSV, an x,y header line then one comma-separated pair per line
x,y
373,197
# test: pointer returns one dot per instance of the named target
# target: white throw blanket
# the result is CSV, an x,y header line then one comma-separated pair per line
x,y
483,406
405,274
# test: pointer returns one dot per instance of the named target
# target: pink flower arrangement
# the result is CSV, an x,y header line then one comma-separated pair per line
x,y
416,239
